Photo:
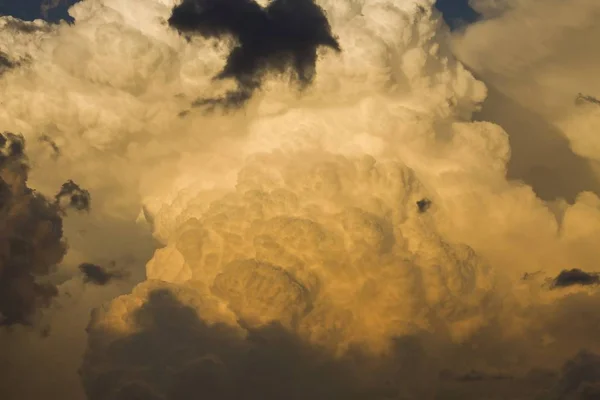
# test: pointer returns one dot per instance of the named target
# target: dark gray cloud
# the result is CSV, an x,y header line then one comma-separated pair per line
x,y
31,234
5,62
73,196
99,275
50,142
283,36
12,148
583,98
575,277
31,242
173,350
580,378
174,354
423,205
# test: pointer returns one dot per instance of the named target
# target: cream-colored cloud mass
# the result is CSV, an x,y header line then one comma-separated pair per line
x,y
362,230
540,54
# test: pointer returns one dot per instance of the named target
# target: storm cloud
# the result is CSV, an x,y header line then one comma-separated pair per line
x,y
31,242
282,36
366,237
99,275
575,277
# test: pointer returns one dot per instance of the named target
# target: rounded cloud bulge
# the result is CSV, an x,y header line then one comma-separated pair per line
x,y
328,220
536,58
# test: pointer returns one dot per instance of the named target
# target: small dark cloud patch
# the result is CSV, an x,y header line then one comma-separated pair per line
x,y
98,275
586,99
231,100
575,277
73,196
528,276
48,140
281,37
6,63
423,205
5,60
45,331
12,147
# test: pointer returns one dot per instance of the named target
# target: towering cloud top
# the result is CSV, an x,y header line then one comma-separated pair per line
x,y
350,242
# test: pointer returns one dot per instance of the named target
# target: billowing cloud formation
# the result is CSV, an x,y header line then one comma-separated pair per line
x,y
528,51
356,239
300,240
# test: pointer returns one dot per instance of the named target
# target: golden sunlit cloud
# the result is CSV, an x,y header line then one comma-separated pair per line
x,y
328,219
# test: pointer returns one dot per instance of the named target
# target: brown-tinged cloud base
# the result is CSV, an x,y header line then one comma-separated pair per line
x,y
373,208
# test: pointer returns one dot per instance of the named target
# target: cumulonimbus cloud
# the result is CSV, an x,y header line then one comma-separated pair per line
x,y
361,230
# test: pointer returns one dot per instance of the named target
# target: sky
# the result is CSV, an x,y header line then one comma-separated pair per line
x,y
455,11
33,9
350,199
